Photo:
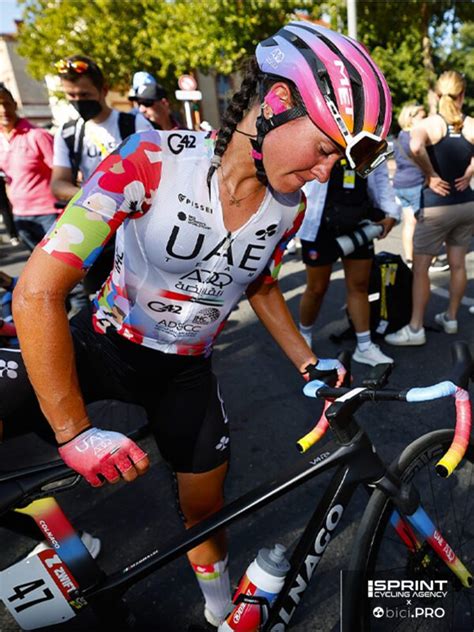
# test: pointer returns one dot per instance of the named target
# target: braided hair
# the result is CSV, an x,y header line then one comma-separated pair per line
x,y
254,86
239,104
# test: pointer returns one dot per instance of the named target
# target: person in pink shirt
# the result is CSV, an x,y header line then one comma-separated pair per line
x,y
26,157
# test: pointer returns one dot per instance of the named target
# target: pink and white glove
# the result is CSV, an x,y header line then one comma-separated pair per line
x,y
102,452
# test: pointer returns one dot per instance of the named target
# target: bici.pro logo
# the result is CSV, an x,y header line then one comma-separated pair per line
x,y
408,599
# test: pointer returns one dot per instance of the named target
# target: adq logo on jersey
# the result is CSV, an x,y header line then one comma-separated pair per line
x,y
178,142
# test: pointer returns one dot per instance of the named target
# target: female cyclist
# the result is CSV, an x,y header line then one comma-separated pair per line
x,y
199,221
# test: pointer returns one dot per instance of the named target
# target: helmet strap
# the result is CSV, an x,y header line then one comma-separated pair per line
x,y
265,125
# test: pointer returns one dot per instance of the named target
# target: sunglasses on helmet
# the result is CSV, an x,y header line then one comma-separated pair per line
x,y
65,65
364,151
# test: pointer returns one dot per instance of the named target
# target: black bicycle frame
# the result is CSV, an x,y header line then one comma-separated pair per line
x,y
356,463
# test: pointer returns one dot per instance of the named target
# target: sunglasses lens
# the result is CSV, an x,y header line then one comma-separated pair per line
x,y
64,65
147,103
368,154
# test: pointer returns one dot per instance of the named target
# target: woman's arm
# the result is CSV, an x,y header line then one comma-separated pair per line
x,y
462,183
48,353
43,329
268,303
418,141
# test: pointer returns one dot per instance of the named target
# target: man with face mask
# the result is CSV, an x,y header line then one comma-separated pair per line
x,y
95,134
80,145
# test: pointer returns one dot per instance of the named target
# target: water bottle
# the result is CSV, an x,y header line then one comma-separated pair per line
x,y
361,236
257,591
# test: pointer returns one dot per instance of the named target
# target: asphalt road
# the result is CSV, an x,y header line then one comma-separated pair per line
x,y
267,413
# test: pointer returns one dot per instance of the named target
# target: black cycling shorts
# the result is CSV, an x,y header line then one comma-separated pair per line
x,y
325,251
179,393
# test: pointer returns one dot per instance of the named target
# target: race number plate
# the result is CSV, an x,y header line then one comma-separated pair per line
x,y
37,591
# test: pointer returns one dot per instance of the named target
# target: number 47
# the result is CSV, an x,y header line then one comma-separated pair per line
x,y
20,592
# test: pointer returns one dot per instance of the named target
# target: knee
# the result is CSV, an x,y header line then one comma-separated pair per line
x,y
196,510
357,288
316,291
457,267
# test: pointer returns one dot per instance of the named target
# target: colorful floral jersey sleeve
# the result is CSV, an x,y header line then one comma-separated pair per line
x,y
272,270
121,188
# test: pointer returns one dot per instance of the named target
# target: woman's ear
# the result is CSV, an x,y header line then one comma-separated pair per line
x,y
277,100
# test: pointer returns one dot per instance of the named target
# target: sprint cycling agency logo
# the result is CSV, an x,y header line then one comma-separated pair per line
x,y
408,595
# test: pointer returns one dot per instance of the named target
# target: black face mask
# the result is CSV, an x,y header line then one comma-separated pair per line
x,y
87,108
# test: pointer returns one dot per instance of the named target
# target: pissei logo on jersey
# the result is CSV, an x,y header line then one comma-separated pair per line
x,y
183,199
178,142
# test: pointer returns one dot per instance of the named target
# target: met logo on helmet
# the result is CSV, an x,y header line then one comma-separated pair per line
x,y
275,57
344,90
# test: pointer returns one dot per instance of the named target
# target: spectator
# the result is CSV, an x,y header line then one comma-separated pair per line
x,y
98,130
336,208
151,100
442,145
26,157
6,212
80,145
409,178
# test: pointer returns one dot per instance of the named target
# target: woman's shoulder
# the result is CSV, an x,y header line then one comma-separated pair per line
x,y
468,128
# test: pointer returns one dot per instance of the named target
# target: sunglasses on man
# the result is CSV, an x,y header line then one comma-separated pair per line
x,y
147,103
78,66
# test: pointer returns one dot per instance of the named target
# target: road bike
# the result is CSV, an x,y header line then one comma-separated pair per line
x,y
415,541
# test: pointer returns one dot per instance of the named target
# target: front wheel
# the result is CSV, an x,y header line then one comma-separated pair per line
x,y
430,597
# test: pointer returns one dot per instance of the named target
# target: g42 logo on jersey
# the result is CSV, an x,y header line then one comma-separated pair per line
x,y
157,306
178,142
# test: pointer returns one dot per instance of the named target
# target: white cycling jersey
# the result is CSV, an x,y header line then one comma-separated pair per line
x,y
177,272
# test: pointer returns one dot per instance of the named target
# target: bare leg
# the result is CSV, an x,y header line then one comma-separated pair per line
x,y
458,278
420,290
317,281
201,495
408,230
357,273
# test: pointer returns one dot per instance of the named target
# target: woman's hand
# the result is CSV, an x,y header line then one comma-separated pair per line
x,y
438,185
111,455
462,183
387,224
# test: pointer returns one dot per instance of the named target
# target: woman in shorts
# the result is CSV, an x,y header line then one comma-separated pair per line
x,y
443,146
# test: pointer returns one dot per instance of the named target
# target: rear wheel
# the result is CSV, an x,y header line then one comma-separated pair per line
x,y
380,554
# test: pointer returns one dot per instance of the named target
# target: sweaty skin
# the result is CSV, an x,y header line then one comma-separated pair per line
x,y
40,294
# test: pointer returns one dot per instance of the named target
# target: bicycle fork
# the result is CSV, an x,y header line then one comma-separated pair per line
x,y
422,523
410,518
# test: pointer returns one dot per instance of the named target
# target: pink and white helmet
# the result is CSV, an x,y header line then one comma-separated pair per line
x,y
345,94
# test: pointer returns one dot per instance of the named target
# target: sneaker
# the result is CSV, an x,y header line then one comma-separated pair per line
x,y
93,545
372,355
291,247
308,337
405,337
449,326
439,265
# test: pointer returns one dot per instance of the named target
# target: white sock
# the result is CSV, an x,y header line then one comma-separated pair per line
x,y
363,340
306,331
214,583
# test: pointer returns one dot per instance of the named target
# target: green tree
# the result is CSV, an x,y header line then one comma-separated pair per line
x,y
164,37
407,39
